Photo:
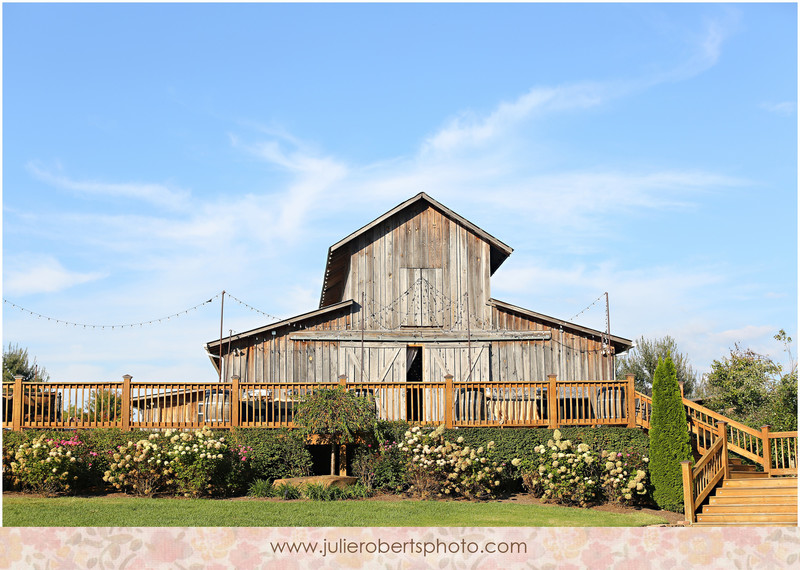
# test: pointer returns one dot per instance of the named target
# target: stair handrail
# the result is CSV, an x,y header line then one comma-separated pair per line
x,y
708,472
755,445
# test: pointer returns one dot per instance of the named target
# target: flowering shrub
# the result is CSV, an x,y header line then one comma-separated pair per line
x,y
50,466
562,473
204,464
143,467
624,476
437,467
382,468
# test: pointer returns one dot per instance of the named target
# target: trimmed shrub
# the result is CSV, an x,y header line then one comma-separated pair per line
x,y
669,438
274,453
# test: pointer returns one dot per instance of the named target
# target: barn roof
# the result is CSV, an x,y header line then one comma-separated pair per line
x,y
339,255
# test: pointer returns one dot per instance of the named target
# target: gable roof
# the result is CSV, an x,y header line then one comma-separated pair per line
x,y
338,254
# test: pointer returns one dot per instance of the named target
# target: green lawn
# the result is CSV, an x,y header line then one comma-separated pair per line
x,y
129,511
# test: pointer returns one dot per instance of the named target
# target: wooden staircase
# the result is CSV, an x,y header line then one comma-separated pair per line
x,y
751,498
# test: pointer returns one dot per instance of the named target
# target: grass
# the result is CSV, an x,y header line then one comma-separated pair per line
x,y
142,512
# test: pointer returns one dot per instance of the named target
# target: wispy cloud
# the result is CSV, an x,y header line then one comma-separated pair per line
x,y
786,108
156,194
27,276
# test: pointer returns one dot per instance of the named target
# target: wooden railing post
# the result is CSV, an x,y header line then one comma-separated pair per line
x,y
449,393
126,402
343,381
723,435
631,400
552,402
688,490
235,401
767,450
681,385
16,414
343,460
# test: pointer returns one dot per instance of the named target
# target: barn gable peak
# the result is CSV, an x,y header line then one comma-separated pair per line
x,y
339,254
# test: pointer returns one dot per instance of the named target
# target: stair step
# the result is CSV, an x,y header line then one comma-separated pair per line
x,y
747,518
748,475
751,491
747,524
754,500
761,483
742,509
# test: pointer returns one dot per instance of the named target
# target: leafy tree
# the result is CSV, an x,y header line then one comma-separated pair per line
x,y
336,416
752,389
642,360
16,362
669,438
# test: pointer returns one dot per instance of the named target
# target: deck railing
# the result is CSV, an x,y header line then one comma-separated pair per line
x,y
128,404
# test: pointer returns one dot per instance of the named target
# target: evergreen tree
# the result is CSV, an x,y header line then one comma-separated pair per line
x,y
669,438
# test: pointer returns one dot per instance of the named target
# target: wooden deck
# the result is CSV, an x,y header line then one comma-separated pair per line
x,y
129,405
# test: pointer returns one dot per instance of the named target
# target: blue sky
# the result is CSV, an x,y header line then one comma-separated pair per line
x,y
154,155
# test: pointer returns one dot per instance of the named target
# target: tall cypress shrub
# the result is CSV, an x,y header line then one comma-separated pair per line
x,y
669,438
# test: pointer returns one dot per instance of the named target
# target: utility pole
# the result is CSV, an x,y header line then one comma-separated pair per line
x,y
221,315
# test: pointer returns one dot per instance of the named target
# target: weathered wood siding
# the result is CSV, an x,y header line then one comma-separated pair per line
x,y
417,269
278,358
568,354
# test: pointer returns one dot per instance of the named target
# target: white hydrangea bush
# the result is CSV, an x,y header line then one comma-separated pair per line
x,y
439,468
142,468
624,477
563,473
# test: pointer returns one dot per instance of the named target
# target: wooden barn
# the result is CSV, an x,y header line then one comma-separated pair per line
x,y
407,299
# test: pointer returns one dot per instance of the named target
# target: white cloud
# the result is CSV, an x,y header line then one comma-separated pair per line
x,y
786,108
155,194
42,275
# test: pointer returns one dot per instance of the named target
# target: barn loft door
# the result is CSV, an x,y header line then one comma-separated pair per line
x,y
455,359
424,303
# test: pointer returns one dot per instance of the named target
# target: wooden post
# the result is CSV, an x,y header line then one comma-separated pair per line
x,y
723,433
765,445
680,385
343,381
631,400
552,402
688,490
343,460
16,414
126,402
449,393
235,401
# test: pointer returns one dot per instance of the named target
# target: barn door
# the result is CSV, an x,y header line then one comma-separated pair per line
x,y
454,359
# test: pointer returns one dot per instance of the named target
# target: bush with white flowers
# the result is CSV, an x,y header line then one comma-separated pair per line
x,y
50,466
143,467
562,473
624,477
441,468
201,462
